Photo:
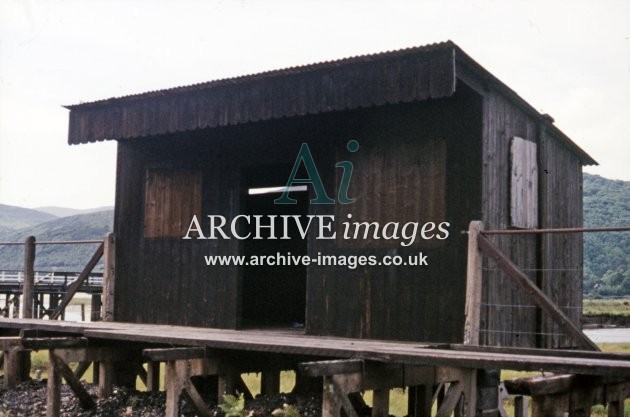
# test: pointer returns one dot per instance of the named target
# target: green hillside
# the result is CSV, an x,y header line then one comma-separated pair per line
x,y
91,226
606,255
12,217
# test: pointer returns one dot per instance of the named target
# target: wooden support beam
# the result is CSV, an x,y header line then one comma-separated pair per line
x,y
84,397
142,374
581,401
550,405
539,297
106,378
452,397
153,376
53,391
178,382
29,278
95,307
174,387
270,382
9,342
96,373
242,387
173,354
76,284
227,383
540,385
615,396
109,277
11,368
380,403
334,399
37,343
81,369
196,399
333,367
92,354
17,366
420,400
474,280
521,406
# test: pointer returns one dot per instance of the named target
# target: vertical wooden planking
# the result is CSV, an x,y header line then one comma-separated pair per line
x,y
508,319
524,184
561,255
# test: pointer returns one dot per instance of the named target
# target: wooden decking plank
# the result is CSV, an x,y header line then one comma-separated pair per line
x,y
332,347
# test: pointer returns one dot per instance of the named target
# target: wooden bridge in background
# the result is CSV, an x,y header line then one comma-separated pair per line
x,y
50,293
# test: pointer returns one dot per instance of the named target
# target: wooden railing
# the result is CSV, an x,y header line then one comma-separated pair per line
x,y
479,245
105,249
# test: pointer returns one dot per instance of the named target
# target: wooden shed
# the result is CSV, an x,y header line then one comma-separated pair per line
x,y
440,140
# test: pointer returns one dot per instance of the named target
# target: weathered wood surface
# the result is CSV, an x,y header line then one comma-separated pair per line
x,y
76,284
506,323
364,81
109,276
172,354
53,342
541,385
524,184
474,285
561,275
172,198
295,344
537,295
29,278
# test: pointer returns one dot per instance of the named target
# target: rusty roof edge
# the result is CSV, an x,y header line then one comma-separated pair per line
x,y
462,58
299,69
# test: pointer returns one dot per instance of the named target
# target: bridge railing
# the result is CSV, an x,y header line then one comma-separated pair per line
x,y
50,278
60,287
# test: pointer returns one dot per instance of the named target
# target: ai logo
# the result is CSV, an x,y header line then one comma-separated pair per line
x,y
321,197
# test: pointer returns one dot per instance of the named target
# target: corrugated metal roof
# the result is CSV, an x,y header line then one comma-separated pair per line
x,y
399,76
324,65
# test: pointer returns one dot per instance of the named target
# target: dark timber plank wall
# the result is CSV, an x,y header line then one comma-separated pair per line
x,y
503,324
561,254
403,303
165,280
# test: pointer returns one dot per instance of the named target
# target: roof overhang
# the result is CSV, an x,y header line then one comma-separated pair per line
x,y
406,75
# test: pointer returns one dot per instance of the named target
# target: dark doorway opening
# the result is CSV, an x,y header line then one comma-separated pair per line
x,y
273,295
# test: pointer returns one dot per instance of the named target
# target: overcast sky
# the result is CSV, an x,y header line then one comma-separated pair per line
x,y
569,59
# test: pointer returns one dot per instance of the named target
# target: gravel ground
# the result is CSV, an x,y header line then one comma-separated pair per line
x,y
29,400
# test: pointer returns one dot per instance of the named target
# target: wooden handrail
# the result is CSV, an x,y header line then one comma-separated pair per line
x,y
74,287
539,297
557,230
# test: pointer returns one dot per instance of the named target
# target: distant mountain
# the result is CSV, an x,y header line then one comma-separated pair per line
x,y
606,255
12,217
72,257
67,211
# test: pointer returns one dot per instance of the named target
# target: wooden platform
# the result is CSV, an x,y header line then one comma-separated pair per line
x,y
295,343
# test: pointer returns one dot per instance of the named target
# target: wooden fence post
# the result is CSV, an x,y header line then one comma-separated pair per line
x,y
109,277
474,276
95,307
29,278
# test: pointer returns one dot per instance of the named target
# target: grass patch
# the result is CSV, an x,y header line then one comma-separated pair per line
x,y
614,307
